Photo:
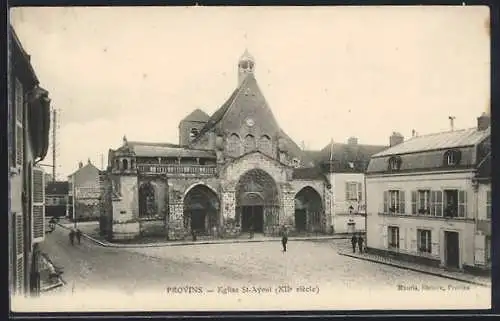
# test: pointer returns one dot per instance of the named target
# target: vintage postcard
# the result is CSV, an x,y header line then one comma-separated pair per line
x,y
249,158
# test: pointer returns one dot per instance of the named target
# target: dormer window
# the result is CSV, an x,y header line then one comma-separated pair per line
x,y
193,133
452,158
395,163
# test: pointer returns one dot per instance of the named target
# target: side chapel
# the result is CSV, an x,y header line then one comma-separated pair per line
x,y
230,173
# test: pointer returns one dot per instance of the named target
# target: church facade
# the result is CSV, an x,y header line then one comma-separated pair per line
x,y
233,172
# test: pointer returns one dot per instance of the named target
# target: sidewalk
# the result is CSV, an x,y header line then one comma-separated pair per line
x,y
49,276
202,242
458,276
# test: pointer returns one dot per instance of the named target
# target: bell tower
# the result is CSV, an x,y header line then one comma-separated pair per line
x,y
246,65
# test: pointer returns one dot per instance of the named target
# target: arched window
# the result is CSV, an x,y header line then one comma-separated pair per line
x,y
395,163
193,133
125,164
132,164
147,204
233,145
265,145
249,143
117,164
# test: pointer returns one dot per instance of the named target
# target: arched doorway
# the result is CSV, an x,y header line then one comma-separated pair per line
x,y
147,203
257,201
308,210
201,209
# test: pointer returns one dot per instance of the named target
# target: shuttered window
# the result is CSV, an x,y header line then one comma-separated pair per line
x,y
436,203
19,253
462,203
488,204
38,210
18,144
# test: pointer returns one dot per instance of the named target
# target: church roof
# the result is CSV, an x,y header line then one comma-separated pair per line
x,y
247,56
145,149
219,113
197,115
438,141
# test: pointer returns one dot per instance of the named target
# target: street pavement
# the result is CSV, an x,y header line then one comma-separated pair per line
x,y
314,265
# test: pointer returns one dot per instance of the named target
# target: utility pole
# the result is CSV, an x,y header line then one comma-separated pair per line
x,y
54,129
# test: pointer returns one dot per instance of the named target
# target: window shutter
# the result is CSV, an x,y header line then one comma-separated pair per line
x,y
383,230
413,202
439,203
402,202
462,203
347,195
19,240
19,145
386,201
360,192
38,209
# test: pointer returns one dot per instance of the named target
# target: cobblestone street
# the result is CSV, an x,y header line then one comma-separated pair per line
x,y
128,271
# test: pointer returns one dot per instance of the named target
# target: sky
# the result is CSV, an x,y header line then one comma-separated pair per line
x,y
326,72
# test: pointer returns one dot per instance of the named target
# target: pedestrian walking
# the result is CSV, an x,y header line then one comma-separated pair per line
x,y
284,239
360,243
78,235
72,237
193,234
354,240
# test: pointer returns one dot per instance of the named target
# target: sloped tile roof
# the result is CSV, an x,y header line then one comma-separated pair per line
x,y
57,188
437,141
197,115
346,157
312,173
167,150
484,167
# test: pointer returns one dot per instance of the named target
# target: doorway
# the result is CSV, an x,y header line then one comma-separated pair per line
x,y
198,220
452,247
252,218
300,219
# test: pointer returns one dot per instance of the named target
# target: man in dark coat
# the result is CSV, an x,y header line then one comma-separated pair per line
x,y
284,238
72,237
78,235
354,240
360,243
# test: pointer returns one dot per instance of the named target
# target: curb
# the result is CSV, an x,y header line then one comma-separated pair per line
x,y
115,245
52,287
416,270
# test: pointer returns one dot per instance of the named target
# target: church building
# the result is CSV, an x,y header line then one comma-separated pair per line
x,y
231,173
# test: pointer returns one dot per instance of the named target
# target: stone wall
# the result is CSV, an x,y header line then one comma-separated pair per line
x,y
153,227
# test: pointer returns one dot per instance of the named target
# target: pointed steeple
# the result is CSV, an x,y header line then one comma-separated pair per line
x,y
246,65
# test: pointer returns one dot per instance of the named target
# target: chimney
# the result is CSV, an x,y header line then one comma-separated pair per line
x,y
395,139
352,141
483,122
452,121
80,165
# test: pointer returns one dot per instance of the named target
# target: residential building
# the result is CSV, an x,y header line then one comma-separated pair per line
x,y
345,164
28,138
482,189
56,198
421,197
231,173
84,193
